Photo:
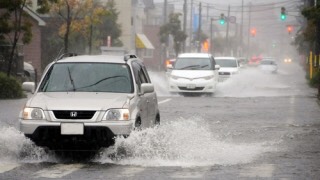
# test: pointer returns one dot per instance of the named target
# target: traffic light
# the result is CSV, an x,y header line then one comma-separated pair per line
x,y
253,32
222,19
283,14
289,29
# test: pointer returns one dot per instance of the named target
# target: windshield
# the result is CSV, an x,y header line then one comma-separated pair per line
x,y
226,62
266,62
88,77
193,64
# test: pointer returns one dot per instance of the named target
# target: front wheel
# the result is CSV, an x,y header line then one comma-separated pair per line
x,y
157,120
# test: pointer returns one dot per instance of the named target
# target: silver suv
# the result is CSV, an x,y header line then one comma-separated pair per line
x,y
83,102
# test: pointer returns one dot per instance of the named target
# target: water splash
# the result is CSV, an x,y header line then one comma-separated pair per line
x,y
15,147
183,142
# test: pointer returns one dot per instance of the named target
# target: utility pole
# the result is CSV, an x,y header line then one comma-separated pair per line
x,y
241,31
249,26
184,24
191,31
165,45
211,34
227,34
199,29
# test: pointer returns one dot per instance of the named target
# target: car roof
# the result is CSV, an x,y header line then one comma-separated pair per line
x,y
95,58
222,57
199,55
268,59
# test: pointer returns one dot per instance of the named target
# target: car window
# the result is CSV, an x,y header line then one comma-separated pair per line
x,y
267,62
88,77
226,62
193,63
140,73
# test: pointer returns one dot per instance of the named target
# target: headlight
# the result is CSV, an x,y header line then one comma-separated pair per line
x,y
117,115
208,77
174,77
33,114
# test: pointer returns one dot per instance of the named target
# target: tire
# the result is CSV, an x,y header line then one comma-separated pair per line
x,y
157,120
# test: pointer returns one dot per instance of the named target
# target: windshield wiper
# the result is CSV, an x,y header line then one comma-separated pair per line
x,y
192,66
101,80
71,80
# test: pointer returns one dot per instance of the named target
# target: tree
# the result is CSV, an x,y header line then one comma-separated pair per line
x,y
173,27
68,11
14,26
86,20
312,30
109,26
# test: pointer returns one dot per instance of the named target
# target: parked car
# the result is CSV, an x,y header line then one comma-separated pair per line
x,y
194,73
254,61
287,60
29,72
169,63
85,101
268,65
229,66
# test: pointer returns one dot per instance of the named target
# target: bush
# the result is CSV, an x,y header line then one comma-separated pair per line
x,y
315,81
10,87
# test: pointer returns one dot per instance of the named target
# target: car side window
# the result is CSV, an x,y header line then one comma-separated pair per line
x,y
145,72
139,73
213,63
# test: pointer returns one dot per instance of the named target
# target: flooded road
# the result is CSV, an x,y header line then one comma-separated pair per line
x,y
256,126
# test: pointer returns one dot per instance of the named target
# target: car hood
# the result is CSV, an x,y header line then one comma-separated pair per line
x,y
228,69
267,67
192,73
77,100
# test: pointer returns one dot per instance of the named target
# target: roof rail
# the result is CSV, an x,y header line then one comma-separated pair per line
x,y
129,56
66,55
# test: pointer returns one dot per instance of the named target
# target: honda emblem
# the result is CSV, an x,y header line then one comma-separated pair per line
x,y
73,114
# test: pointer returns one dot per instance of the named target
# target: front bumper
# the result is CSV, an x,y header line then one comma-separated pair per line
x,y
192,86
95,135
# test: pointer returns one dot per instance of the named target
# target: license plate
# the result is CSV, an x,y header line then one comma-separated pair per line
x,y
72,128
191,86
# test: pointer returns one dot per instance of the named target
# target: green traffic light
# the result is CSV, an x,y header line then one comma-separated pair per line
x,y
283,17
222,22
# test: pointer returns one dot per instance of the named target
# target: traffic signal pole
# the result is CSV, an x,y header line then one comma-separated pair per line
x,y
249,27
227,33
199,29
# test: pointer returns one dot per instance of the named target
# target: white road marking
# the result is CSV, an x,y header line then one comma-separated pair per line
x,y
130,171
190,174
263,170
58,171
8,167
164,101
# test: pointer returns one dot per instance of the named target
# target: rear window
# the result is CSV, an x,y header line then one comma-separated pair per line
x,y
267,62
193,63
227,62
88,77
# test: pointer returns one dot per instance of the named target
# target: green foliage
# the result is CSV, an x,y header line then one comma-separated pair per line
x,y
109,26
10,87
173,27
315,81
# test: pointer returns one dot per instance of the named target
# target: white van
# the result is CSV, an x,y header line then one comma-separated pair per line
x,y
229,66
194,73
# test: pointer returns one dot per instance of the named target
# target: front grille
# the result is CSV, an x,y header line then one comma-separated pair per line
x,y
195,89
224,73
73,114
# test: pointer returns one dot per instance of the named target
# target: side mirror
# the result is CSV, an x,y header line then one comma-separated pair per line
x,y
28,86
217,67
147,88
